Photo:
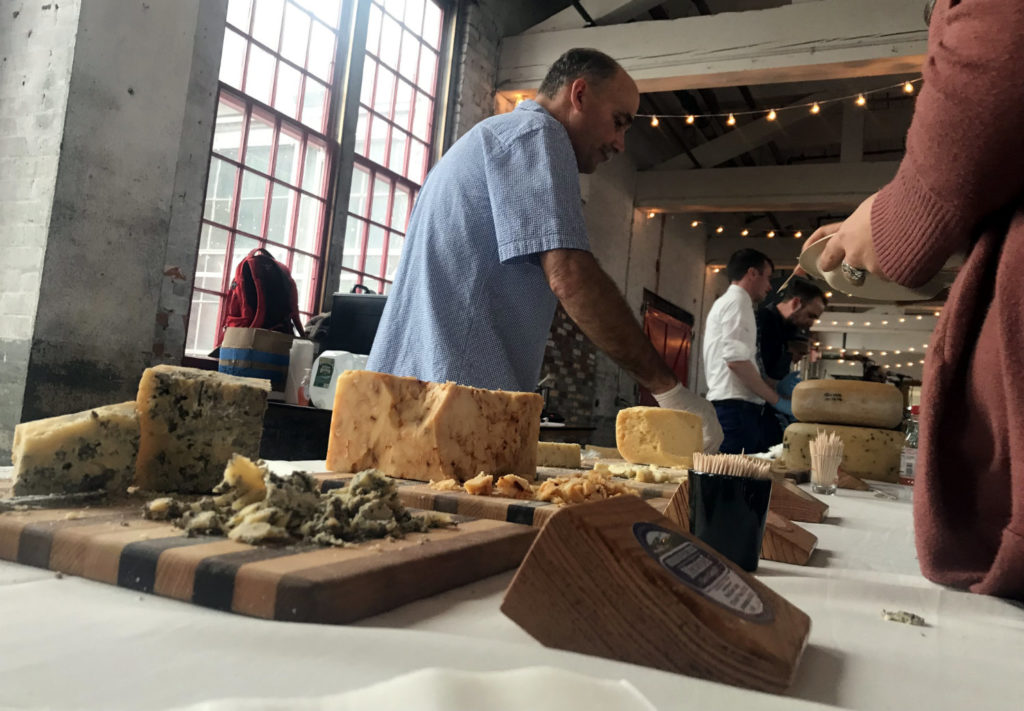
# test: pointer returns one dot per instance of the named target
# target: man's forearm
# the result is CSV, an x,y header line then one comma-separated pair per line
x,y
748,374
594,302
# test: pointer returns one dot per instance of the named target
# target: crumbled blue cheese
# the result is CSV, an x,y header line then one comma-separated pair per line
x,y
84,451
281,509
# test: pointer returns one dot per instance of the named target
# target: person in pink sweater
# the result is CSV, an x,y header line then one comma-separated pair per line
x,y
960,187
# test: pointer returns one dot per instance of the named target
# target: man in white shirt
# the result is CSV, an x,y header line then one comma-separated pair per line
x,y
742,398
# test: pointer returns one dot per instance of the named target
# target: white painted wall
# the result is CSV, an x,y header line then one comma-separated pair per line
x,y
37,46
660,253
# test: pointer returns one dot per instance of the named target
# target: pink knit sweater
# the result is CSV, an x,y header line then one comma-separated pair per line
x,y
961,186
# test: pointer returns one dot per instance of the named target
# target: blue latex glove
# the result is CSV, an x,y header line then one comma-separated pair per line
x,y
785,406
785,386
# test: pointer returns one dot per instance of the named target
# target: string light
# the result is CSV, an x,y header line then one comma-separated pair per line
x,y
828,295
936,314
885,323
716,270
867,323
902,320
519,99
654,121
744,233
695,223
650,215
884,353
798,234
719,230
896,352
919,317
815,107
771,233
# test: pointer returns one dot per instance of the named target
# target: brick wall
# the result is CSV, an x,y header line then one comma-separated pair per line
x,y
37,44
570,360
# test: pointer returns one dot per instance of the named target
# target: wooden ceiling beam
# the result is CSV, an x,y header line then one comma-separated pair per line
x,y
814,41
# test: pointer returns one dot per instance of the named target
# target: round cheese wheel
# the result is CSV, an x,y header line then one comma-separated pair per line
x,y
848,402
868,452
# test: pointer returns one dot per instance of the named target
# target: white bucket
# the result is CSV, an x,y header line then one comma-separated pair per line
x,y
323,379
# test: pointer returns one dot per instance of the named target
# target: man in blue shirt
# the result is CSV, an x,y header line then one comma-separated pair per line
x,y
497,238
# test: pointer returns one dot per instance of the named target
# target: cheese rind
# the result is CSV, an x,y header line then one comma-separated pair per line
x,y
411,429
868,453
655,435
83,451
848,402
558,454
191,422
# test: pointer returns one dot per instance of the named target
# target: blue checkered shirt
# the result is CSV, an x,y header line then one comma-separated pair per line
x,y
470,302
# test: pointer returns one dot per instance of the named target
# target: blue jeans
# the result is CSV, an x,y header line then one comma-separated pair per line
x,y
747,427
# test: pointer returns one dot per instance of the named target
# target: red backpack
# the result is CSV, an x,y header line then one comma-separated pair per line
x,y
262,295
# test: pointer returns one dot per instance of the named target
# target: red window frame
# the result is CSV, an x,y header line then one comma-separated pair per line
x,y
403,178
305,259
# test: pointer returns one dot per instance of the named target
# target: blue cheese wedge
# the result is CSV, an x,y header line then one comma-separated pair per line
x,y
84,451
191,421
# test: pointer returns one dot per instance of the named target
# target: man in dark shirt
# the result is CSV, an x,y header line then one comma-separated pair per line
x,y
780,324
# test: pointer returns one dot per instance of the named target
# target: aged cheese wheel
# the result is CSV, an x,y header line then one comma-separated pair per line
x,y
868,453
848,402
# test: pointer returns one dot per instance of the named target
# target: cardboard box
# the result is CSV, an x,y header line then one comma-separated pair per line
x,y
257,353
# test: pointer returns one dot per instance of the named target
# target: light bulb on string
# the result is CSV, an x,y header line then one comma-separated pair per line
x,y
908,88
815,109
771,115
695,223
690,119
654,120
798,234
744,233
771,233
650,215
861,100
731,120
719,230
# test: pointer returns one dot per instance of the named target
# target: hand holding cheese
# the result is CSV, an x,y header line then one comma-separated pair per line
x,y
679,398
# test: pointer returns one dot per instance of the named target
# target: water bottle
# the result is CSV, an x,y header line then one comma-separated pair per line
x,y
908,459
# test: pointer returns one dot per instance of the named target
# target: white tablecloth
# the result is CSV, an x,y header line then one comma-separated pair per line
x,y
72,643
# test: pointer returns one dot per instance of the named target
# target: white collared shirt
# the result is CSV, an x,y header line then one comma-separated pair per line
x,y
730,335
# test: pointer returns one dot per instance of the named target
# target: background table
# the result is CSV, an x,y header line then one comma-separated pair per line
x,y
73,643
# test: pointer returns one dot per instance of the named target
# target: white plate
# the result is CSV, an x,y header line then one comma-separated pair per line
x,y
874,288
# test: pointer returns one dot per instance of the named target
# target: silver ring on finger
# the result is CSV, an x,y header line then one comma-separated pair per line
x,y
854,275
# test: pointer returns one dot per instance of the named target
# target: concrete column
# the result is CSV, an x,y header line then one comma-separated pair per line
x,y
107,278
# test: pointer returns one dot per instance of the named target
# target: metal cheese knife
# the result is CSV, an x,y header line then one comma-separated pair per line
x,y
50,501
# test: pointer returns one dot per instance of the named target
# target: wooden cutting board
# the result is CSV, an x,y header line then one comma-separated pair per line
x,y
648,490
418,495
301,583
